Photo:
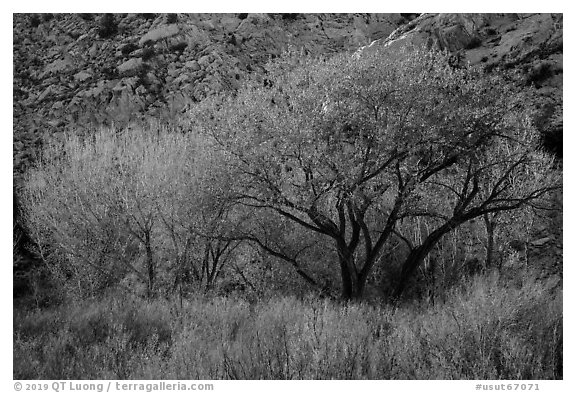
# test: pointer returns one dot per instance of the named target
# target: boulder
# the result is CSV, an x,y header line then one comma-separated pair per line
x,y
140,90
130,66
230,24
181,79
46,93
204,61
192,65
159,34
173,72
540,242
82,76
126,84
57,66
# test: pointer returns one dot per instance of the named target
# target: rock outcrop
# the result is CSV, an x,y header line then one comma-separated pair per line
x,y
81,70
527,48
524,42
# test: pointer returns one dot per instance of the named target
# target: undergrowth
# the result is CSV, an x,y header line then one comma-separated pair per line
x,y
487,329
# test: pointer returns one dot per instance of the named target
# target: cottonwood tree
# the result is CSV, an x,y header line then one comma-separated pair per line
x,y
68,204
137,209
348,147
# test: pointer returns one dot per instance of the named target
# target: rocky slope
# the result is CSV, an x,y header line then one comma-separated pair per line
x,y
77,70
527,48
530,44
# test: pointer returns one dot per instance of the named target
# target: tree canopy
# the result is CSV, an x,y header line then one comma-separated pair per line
x,y
349,147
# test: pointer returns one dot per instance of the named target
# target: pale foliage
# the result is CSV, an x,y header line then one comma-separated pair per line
x,y
114,205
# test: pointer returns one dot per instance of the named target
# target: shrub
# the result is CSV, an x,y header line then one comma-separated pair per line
x,y
491,32
488,68
145,323
107,26
91,325
32,325
539,73
549,122
409,16
109,72
474,42
128,48
488,329
148,53
179,47
123,211
290,16
147,16
34,20
171,18
87,17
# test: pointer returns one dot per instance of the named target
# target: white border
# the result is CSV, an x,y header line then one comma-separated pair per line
x,y
300,6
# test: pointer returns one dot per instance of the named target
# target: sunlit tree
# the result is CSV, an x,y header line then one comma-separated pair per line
x,y
347,147
133,209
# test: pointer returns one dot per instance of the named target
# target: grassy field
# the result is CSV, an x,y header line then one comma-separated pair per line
x,y
489,330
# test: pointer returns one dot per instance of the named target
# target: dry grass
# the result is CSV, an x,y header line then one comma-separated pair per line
x,y
487,331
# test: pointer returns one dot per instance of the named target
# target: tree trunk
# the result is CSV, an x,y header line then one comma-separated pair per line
x,y
415,258
418,254
352,282
150,263
366,270
490,225
346,282
352,285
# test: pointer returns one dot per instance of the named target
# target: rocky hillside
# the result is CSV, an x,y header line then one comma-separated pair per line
x,y
527,48
77,70
80,70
